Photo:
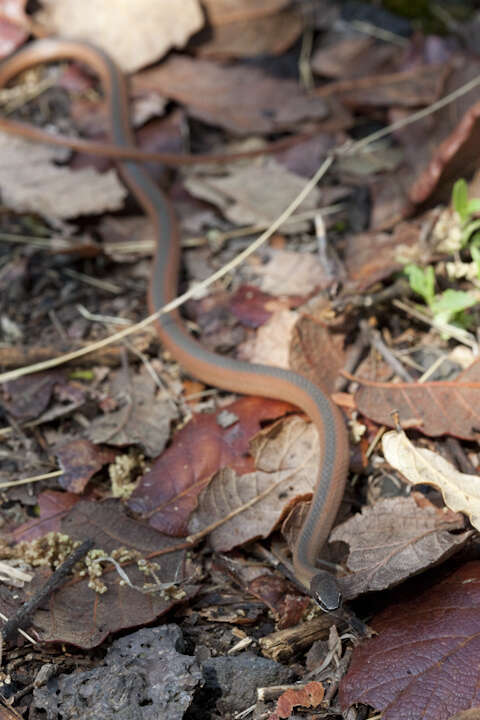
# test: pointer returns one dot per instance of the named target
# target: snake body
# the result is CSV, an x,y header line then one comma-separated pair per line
x,y
223,372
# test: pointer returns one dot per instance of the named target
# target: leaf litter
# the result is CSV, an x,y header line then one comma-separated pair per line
x,y
229,486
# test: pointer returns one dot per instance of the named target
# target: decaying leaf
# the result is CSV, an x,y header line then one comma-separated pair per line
x,y
250,506
30,182
77,614
135,34
461,492
394,539
168,493
423,663
310,696
144,417
240,98
271,343
254,194
435,408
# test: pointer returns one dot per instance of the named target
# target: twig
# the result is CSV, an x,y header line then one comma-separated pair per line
x,y
23,617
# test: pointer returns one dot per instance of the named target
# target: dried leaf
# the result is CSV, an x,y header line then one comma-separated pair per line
x,y
143,418
253,307
271,344
240,98
394,539
30,182
254,194
316,352
310,696
80,460
283,599
423,663
460,492
250,506
134,34
80,616
168,493
245,29
28,397
435,408
291,273
53,506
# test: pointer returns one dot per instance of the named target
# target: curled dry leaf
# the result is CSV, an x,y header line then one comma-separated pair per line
x,y
461,492
394,539
423,663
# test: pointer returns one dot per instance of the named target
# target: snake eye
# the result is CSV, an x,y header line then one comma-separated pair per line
x,y
325,591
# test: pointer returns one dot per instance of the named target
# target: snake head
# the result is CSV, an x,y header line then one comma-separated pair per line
x,y
325,591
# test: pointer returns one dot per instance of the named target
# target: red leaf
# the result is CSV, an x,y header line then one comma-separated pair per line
x,y
168,493
53,507
424,661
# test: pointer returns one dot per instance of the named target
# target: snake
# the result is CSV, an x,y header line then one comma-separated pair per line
x,y
209,367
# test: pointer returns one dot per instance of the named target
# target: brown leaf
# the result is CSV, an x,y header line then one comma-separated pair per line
x,y
80,460
435,408
316,353
53,506
373,256
283,599
28,397
310,696
82,617
143,418
134,34
352,55
250,506
168,493
410,88
246,29
291,273
240,98
394,539
31,182
271,344
424,661
255,194
253,307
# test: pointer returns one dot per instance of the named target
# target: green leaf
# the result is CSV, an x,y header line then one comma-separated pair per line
x,y
460,198
468,230
422,281
473,206
475,253
451,303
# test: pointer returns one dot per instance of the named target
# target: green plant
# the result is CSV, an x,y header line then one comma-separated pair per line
x,y
466,209
446,307
449,306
